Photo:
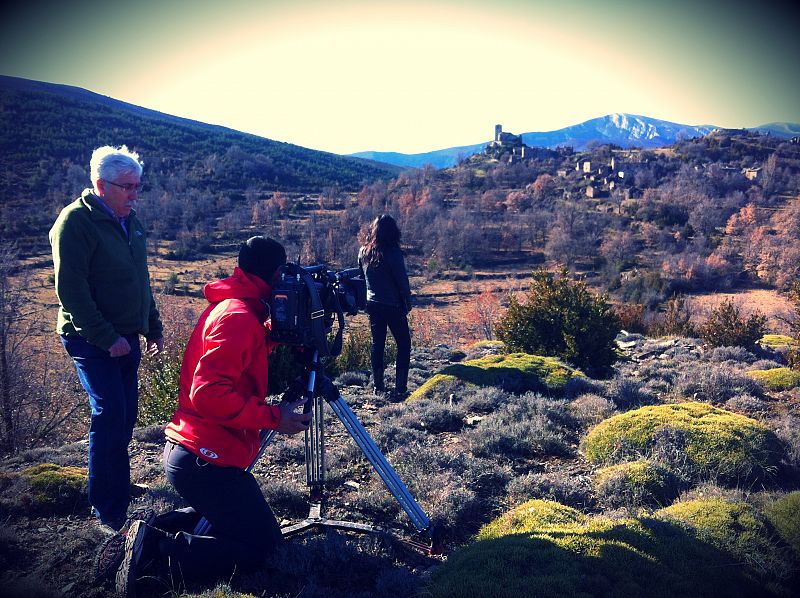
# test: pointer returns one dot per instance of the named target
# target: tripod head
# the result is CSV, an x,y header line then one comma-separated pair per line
x,y
312,383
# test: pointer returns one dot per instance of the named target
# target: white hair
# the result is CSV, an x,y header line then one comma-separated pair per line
x,y
110,163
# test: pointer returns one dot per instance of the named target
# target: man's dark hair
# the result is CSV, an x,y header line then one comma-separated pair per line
x,y
261,256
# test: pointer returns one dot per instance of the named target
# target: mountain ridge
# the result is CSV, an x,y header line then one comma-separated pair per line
x,y
619,128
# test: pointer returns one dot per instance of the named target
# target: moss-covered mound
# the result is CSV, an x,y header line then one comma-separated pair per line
x,y
737,528
485,348
515,372
784,515
534,514
546,549
45,489
776,379
634,483
777,341
719,443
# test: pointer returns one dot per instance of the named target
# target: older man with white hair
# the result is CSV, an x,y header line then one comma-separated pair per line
x,y
105,304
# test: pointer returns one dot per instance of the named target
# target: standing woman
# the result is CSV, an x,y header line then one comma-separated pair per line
x,y
388,298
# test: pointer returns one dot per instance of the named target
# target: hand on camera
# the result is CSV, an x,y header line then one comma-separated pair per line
x,y
292,422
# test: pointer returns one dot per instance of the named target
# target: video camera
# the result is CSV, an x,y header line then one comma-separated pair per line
x,y
306,300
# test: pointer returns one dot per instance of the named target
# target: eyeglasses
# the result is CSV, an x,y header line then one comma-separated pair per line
x,y
127,186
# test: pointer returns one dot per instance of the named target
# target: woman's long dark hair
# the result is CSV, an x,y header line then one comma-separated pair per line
x,y
382,234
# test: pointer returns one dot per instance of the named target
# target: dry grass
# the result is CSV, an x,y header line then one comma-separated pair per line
x,y
771,303
442,303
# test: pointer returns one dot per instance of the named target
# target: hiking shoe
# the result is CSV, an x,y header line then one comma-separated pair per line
x,y
112,549
108,558
131,559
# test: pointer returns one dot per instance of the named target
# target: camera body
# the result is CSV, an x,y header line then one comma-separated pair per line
x,y
306,300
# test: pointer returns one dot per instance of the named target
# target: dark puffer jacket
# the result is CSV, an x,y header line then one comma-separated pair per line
x,y
387,283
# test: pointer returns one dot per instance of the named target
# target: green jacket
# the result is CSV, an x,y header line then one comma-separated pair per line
x,y
102,281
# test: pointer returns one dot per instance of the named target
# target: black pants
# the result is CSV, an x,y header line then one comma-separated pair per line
x,y
382,316
243,528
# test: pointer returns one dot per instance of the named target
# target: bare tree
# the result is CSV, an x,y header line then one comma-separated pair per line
x,y
35,397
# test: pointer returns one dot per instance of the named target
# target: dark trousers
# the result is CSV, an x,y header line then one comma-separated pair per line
x,y
381,317
243,530
112,386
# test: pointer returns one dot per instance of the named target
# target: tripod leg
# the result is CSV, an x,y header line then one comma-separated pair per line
x,y
315,446
380,464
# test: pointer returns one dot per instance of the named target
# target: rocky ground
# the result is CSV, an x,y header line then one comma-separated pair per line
x,y
51,555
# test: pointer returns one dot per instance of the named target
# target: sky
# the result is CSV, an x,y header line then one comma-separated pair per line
x,y
354,75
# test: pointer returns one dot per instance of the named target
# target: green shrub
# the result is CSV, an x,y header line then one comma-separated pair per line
x,y
283,369
561,318
636,483
737,528
777,379
729,446
543,548
515,372
784,515
534,514
356,347
726,327
159,384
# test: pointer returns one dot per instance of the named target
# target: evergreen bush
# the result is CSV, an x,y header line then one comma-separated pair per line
x,y
159,384
726,327
356,348
561,318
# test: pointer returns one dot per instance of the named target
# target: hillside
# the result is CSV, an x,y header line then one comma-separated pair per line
x,y
49,131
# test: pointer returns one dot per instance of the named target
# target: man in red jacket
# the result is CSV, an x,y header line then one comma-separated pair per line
x,y
215,434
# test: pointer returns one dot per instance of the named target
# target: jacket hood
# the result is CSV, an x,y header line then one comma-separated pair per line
x,y
240,285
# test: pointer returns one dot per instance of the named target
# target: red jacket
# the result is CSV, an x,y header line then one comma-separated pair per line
x,y
221,404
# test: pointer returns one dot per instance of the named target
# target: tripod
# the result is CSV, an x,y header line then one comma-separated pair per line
x,y
315,468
